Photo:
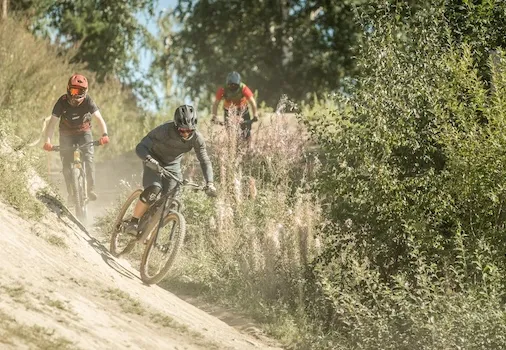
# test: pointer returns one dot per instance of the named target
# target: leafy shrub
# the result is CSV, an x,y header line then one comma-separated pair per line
x,y
413,182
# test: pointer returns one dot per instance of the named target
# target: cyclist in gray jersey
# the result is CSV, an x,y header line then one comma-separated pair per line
x,y
165,146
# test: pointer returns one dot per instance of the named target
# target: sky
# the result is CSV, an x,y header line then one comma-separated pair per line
x,y
150,22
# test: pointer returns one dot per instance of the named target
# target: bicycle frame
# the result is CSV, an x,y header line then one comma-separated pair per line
x,y
153,210
165,243
77,163
145,223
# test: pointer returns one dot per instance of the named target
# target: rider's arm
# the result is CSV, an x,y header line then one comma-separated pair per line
x,y
50,128
253,105
98,117
55,118
251,100
144,147
214,111
203,157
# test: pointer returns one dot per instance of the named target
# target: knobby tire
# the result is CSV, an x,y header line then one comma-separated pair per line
x,y
77,189
115,248
174,245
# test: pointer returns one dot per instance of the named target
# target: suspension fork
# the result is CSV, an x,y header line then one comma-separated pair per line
x,y
160,222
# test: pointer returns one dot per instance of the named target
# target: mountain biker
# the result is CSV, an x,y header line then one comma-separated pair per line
x,y
165,146
237,96
74,111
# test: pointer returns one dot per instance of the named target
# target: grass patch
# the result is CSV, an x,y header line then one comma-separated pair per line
x,y
15,190
58,304
133,306
37,337
16,292
169,322
125,301
56,240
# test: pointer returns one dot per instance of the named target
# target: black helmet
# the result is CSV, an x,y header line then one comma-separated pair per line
x,y
233,81
185,117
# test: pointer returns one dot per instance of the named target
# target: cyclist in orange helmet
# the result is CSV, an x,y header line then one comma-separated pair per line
x,y
74,112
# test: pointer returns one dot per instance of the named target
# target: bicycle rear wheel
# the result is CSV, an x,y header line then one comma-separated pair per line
x,y
122,243
161,250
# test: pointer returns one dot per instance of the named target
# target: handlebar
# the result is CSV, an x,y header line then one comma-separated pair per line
x,y
166,173
57,148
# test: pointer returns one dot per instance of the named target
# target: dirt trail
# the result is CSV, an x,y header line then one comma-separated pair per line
x,y
61,289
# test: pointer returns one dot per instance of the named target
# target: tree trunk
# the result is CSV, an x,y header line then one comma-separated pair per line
x,y
4,9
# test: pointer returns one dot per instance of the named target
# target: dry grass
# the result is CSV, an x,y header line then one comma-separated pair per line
x,y
56,240
36,337
133,306
125,301
250,246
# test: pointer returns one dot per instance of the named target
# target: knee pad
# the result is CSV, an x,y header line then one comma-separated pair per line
x,y
150,193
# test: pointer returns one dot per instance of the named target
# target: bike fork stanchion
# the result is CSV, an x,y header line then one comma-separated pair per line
x,y
161,219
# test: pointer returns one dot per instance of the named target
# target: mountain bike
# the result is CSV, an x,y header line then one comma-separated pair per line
x,y
162,229
78,183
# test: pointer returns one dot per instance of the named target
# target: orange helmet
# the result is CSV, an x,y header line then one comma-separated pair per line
x,y
77,88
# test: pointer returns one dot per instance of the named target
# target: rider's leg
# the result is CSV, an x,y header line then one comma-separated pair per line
x,y
246,116
169,184
89,164
67,157
147,197
246,127
152,184
140,208
225,117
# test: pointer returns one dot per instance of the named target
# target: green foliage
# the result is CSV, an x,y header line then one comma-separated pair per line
x,y
481,25
105,32
105,36
294,49
31,11
413,182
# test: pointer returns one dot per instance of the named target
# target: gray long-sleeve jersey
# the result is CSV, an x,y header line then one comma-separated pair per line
x,y
164,144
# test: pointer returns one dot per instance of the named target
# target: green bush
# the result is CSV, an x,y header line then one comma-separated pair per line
x,y
414,188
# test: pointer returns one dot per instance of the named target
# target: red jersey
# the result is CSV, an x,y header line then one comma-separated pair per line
x,y
238,99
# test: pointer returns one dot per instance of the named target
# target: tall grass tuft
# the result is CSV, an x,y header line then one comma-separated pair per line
x,y
251,245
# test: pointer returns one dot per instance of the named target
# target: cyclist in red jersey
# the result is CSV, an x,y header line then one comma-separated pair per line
x,y
237,96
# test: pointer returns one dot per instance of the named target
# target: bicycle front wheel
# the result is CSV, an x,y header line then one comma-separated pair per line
x,y
162,248
78,190
122,243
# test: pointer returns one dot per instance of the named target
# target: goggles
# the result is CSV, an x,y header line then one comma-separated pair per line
x,y
77,92
233,86
185,132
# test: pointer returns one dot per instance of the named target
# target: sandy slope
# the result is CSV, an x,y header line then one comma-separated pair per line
x,y
61,289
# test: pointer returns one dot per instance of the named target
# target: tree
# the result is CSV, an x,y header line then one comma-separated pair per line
x,y
480,24
280,47
4,8
105,35
30,9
